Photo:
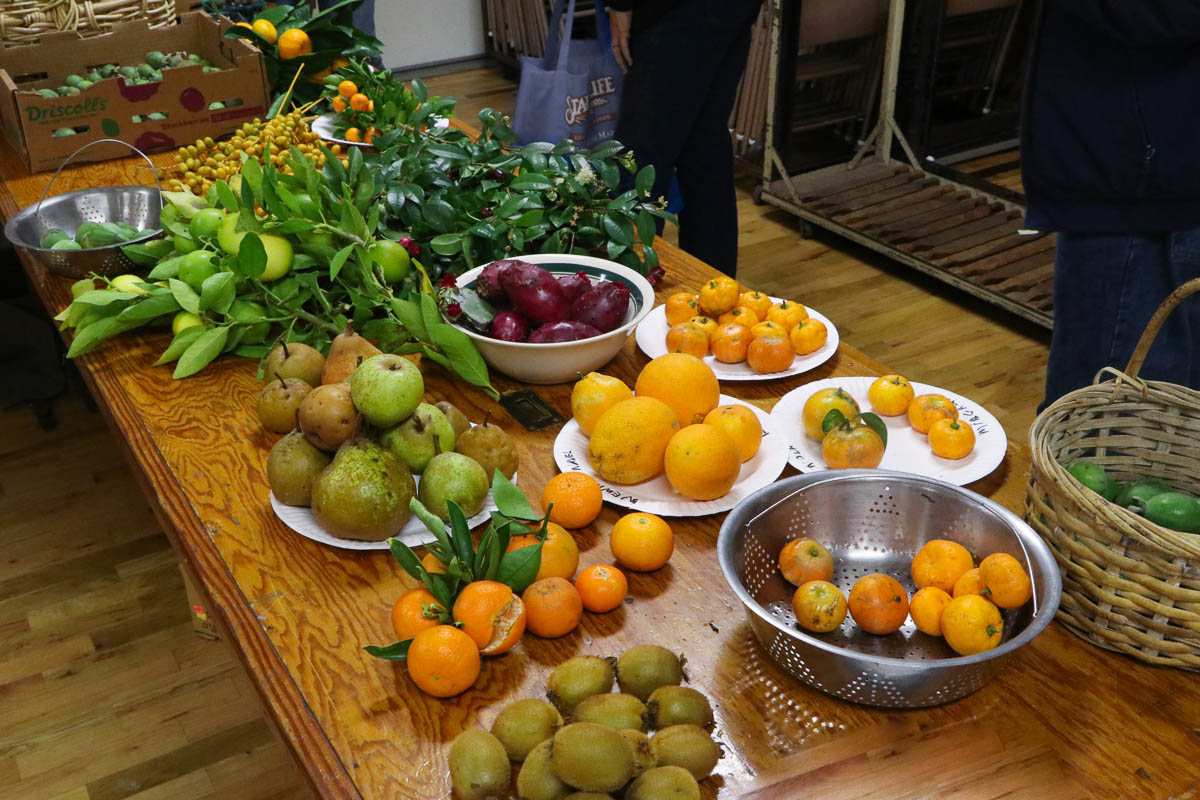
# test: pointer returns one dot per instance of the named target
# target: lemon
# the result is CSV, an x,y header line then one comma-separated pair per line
x,y
184,320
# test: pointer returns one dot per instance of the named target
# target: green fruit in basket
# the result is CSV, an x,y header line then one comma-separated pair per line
x,y
60,132
156,59
1179,512
1094,477
53,235
48,94
1141,491
73,80
66,244
197,267
128,283
185,244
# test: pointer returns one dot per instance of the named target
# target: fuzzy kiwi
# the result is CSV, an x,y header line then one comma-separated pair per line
x,y
614,711
591,757
678,705
645,667
479,767
578,678
664,783
523,724
686,746
536,781
643,756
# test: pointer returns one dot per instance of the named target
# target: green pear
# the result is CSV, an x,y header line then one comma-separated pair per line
x,y
364,494
292,467
295,360
453,476
387,389
419,438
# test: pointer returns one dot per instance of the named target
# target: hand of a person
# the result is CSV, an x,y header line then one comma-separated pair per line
x,y
619,22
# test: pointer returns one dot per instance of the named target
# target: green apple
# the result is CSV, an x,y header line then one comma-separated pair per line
x,y
416,440
386,388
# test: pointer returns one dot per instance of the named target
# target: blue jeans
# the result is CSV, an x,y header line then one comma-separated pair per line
x,y
1106,288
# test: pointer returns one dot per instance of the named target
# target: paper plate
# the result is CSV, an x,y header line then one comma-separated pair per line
x,y
652,340
907,450
656,496
323,126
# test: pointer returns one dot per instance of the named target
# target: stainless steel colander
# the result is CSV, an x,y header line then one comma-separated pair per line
x,y
138,206
875,521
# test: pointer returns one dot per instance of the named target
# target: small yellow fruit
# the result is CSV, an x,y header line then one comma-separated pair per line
x,y
184,320
594,394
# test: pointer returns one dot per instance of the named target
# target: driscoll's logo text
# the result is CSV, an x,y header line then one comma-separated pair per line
x,y
89,106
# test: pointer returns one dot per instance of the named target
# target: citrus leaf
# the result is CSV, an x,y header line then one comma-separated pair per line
x,y
407,559
392,652
185,295
201,352
510,500
409,315
874,423
218,292
339,259
252,257
180,343
518,568
834,418
460,533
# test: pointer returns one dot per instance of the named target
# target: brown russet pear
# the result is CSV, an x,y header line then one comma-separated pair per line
x,y
458,420
346,352
279,403
328,416
491,447
292,467
294,360
364,494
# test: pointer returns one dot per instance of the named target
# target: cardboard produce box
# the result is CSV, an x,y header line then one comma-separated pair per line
x,y
114,109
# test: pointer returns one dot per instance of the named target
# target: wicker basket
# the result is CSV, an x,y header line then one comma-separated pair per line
x,y
25,21
1128,584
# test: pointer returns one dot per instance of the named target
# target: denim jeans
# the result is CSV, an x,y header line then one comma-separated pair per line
x,y
1106,288
364,15
675,115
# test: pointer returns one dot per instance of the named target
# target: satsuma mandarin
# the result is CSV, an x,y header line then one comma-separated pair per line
x,y
560,553
878,603
804,560
1008,584
718,295
821,403
705,323
926,409
971,624
819,606
970,582
890,395
730,343
951,438
741,424
573,499
757,302
787,314
414,611
443,661
601,588
702,462
681,307
926,608
808,336
491,614
767,354
641,542
940,563
687,338
741,315
552,607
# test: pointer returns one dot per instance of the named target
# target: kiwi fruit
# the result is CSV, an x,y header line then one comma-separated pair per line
x,y
678,705
578,678
536,781
614,711
643,756
589,796
479,766
524,724
591,757
645,667
279,404
686,746
664,783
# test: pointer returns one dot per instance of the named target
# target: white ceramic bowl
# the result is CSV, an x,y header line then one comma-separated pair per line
x,y
561,362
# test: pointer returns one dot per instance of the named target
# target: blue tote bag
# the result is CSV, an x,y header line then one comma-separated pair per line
x,y
574,90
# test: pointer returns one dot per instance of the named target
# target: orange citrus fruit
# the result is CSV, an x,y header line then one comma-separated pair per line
x,y
680,307
292,43
347,89
757,302
768,328
594,394
339,104
443,661
808,336
787,314
552,607
601,588
685,383
491,615
970,582
730,343
371,106
687,338
890,395
706,324
940,563
804,560
702,462
265,29
718,295
926,409
856,447
741,424
971,624
630,440
358,102
353,135
370,134
560,553
819,606
878,603
411,613
741,315
926,609
642,542
573,499
1008,585
768,354
431,564
821,403
951,438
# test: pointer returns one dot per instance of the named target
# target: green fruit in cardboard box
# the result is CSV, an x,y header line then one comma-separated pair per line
x,y
156,59
73,80
60,132
145,70
52,236
48,94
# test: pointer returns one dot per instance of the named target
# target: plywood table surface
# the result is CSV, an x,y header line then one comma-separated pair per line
x,y
1064,720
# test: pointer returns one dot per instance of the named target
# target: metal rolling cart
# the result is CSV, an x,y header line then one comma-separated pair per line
x,y
964,235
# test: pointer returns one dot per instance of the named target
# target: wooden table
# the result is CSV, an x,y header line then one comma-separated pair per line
x,y
1065,719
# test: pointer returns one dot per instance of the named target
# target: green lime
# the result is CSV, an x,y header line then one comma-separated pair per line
x,y
1095,478
279,256
169,214
1141,491
128,283
230,239
185,244
184,320
1179,512
206,223
392,258
318,244
196,267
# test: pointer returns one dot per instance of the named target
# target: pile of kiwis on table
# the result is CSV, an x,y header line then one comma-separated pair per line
x,y
588,743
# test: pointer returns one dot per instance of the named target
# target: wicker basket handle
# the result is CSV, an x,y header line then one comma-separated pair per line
x,y
1160,316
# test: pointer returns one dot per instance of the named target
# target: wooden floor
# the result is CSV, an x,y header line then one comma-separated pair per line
x,y
105,691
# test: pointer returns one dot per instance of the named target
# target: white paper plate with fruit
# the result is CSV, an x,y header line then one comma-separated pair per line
x,y
657,494
971,439
810,339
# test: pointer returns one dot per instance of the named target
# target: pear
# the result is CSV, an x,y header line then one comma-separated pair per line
x,y
292,467
328,416
458,420
279,403
347,351
387,389
453,476
420,437
295,360
489,445
364,494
